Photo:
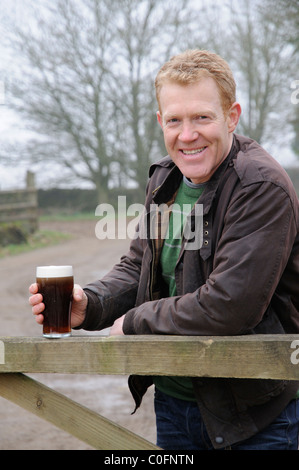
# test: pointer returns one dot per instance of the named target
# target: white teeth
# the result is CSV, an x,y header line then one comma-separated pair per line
x,y
193,152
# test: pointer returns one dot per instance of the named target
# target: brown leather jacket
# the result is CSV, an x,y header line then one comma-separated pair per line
x,y
244,279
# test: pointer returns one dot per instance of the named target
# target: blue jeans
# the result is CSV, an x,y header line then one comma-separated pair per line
x,y
180,427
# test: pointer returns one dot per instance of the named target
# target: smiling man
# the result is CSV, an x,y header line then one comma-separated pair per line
x,y
242,280
197,130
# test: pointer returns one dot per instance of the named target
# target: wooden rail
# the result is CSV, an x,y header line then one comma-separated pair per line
x,y
256,356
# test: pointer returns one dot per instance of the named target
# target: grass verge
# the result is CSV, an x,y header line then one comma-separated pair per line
x,y
39,239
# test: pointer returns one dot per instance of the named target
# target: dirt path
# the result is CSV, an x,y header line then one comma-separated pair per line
x,y
107,395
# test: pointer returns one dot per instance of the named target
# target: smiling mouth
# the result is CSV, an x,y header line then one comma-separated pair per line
x,y
193,152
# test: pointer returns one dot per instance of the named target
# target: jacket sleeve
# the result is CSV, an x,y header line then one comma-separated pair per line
x,y
115,294
258,234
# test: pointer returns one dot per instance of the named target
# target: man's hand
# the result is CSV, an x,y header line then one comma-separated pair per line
x,y
117,327
79,305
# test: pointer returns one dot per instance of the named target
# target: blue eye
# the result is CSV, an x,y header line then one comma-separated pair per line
x,y
172,121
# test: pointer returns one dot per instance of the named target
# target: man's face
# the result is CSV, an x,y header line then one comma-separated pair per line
x,y
197,134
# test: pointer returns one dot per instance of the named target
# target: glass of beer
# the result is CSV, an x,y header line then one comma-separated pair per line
x,y
56,283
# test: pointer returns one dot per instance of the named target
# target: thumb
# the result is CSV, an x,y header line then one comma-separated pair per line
x,y
78,293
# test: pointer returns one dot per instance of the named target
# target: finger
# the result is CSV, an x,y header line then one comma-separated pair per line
x,y
33,289
39,319
38,308
35,299
78,293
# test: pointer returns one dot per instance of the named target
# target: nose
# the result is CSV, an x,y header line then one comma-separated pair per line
x,y
188,132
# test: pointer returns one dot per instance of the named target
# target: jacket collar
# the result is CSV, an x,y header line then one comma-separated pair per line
x,y
166,190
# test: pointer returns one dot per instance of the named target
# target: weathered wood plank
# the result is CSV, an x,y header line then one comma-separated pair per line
x,y
68,415
258,356
20,205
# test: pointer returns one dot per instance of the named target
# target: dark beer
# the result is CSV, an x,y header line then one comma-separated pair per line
x,y
56,283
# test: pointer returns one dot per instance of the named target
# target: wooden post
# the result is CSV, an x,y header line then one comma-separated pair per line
x,y
30,180
21,206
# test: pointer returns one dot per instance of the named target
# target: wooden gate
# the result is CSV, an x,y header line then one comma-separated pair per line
x,y
256,356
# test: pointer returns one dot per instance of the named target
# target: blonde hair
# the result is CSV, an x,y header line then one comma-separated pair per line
x,y
193,65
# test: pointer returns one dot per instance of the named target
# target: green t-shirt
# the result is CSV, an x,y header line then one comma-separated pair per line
x,y
188,194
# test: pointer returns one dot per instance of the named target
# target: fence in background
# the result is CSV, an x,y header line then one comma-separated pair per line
x,y
21,205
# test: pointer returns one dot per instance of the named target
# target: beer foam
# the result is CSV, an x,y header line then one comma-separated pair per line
x,y
54,271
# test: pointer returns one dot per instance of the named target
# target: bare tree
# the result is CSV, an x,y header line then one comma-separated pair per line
x,y
258,58
85,85
60,90
286,14
84,70
249,35
147,34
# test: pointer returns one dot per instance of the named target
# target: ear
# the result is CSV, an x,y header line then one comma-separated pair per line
x,y
159,118
233,116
